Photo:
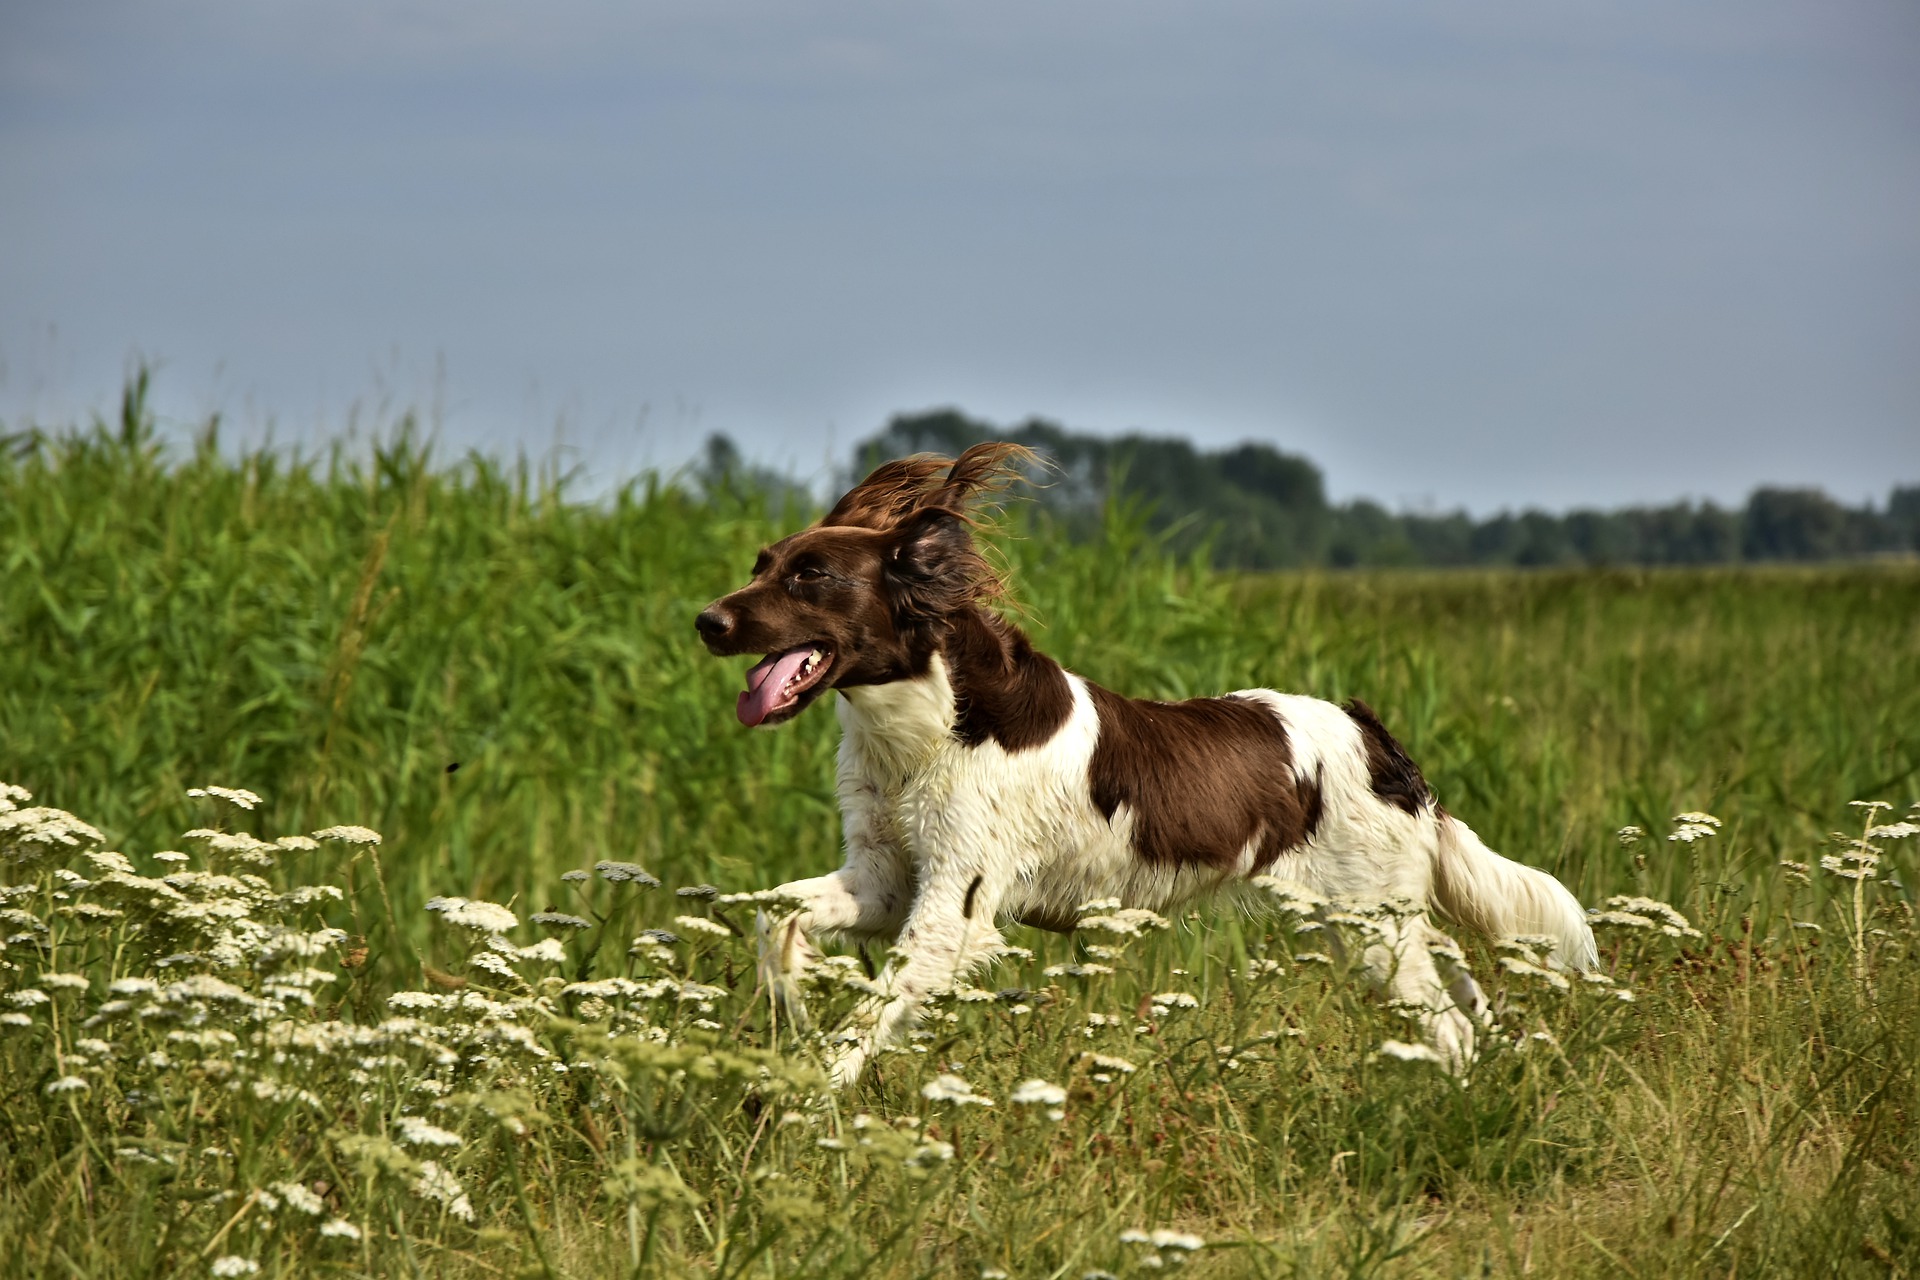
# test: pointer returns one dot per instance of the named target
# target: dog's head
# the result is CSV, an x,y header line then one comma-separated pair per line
x,y
864,596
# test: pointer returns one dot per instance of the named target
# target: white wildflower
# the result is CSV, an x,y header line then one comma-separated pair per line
x,y
1076,970
1037,1093
435,1183
349,835
1167,1001
339,1229
234,1265
950,1088
236,796
64,981
68,1084
626,873
545,951
1694,825
701,925
1163,1239
482,917
1637,912
1515,965
560,920
413,1000
15,1020
171,855
420,1133
492,963
1128,922
1107,1062
299,1197
31,834
27,997
1178,1240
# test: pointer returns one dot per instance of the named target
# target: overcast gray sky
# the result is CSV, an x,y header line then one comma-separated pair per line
x,y
1484,252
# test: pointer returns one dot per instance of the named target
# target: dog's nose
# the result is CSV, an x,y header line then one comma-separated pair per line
x,y
714,624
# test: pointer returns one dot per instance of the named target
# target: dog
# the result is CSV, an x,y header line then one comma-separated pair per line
x,y
979,781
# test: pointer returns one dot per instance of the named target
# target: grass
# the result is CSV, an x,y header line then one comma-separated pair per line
x,y
340,634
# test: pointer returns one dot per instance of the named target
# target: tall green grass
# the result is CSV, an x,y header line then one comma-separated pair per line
x,y
506,684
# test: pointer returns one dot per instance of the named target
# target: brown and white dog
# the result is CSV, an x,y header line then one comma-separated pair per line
x,y
979,781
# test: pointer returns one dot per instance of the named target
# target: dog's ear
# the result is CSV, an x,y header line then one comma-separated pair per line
x,y
931,565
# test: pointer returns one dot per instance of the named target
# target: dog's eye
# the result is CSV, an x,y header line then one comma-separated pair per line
x,y
810,573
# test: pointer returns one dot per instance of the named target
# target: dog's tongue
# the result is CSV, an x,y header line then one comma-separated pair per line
x,y
767,682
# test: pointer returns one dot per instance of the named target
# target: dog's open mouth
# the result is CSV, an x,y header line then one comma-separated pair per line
x,y
780,683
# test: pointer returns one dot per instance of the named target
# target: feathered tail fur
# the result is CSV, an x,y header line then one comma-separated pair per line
x,y
1476,887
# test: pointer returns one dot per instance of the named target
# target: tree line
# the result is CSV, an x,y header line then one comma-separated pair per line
x,y
1254,506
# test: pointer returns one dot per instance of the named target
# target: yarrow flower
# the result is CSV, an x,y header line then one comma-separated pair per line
x,y
420,1133
435,1183
236,796
701,925
626,873
339,1229
1694,825
299,1197
949,1088
482,917
1631,912
349,835
1031,1093
1128,922
234,1265
560,920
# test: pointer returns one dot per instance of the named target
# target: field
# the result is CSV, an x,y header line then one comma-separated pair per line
x,y
287,1058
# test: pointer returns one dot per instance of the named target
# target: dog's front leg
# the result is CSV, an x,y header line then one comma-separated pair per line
x,y
864,898
949,933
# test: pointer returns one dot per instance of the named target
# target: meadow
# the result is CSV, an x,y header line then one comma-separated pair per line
x,y
443,972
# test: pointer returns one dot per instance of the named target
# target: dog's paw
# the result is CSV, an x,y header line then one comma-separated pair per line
x,y
786,953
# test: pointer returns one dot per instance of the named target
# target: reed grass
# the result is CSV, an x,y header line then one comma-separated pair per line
x,y
504,682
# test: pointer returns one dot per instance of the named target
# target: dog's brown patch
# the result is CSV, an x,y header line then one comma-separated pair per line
x,y
1203,779
1004,690
1394,776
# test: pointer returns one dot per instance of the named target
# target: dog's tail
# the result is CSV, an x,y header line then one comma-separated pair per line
x,y
1476,887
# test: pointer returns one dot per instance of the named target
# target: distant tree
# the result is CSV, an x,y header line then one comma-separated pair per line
x,y
1258,507
1903,516
1254,505
1792,524
723,473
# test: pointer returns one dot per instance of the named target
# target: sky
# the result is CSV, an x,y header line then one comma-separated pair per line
x,y
1484,254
